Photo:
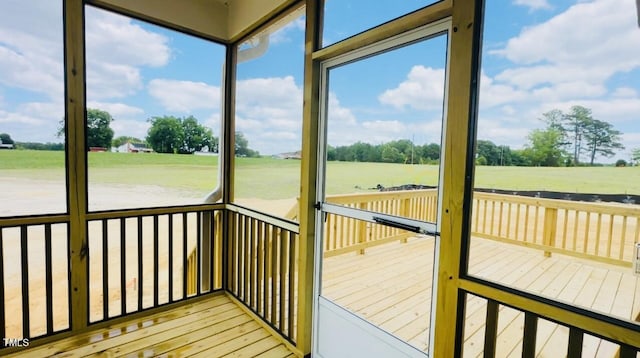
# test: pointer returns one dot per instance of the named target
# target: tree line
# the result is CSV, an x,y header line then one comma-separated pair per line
x,y
567,136
565,140
167,134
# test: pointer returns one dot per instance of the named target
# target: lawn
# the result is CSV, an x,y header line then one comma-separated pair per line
x,y
270,178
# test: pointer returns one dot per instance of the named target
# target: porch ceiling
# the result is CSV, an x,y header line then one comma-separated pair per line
x,y
221,20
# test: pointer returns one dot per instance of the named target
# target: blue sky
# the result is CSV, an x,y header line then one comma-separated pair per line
x,y
537,56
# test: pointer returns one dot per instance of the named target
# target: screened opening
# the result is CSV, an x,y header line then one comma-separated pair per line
x,y
32,134
153,114
343,19
556,205
268,117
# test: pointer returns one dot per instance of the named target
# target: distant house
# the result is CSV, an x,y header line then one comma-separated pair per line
x,y
5,146
133,148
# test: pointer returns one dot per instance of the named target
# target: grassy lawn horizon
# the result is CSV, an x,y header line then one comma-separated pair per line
x,y
270,178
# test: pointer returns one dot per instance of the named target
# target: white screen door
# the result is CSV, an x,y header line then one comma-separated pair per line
x,y
382,114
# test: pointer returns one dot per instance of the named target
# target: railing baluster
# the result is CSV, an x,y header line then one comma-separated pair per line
x,y
491,329
105,269
239,255
140,275
235,251
170,258
536,217
252,263
598,229
493,217
274,271
529,335
2,281
517,221
198,252
260,273
268,256
576,216
292,270
24,257
526,222
212,248
185,288
586,232
156,258
484,216
500,218
48,277
610,234
576,337
623,237
283,275
565,218
123,266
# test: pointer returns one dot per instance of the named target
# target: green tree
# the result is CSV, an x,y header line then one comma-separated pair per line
x,y
635,156
116,142
165,134
195,137
391,154
430,151
488,150
5,138
545,148
99,132
242,146
601,138
574,126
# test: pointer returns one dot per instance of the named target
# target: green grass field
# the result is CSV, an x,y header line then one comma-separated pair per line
x,y
269,178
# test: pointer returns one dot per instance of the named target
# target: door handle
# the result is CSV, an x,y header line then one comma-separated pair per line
x,y
403,226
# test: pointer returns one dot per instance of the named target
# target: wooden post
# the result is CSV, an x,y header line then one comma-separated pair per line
x,y
75,114
308,176
457,175
361,228
406,207
549,231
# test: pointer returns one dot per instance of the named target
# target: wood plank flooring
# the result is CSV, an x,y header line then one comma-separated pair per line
x,y
390,286
216,327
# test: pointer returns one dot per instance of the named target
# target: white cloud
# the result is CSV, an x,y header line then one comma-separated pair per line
x,y
582,36
113,38
117,50
571,59
117,110
31,46
423,90
533,4
184,96
269,113
131,128
33,121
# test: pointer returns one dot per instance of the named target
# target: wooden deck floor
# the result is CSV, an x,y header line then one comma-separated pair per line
x,y
215,327
391,287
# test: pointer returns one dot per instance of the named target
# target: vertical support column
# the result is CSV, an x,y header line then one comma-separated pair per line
x,y
76,157
457,175
227,146
309,175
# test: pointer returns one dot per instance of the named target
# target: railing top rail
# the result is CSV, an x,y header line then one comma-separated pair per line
x,y
377,196
34,220
130,213
604,208
269,219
